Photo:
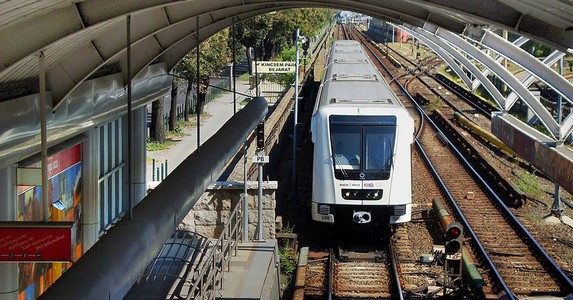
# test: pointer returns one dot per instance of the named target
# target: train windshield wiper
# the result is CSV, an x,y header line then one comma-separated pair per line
x,y
386,168
337,163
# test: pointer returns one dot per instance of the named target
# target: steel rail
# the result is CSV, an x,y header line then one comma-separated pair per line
x,y
330,273
442,184
463,220
394,267
484,111
516,224
523,233
563,280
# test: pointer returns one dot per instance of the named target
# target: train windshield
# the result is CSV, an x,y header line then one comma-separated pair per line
x,y
362,146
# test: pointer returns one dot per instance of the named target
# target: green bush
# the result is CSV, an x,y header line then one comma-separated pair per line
x,y
155,146
288,260
529,184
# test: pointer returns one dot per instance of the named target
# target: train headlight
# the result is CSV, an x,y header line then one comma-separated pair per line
x,y
399,210
324,209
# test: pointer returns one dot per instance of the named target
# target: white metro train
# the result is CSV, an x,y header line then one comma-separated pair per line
x,y
362,137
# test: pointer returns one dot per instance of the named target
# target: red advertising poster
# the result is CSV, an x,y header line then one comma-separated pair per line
x,y
64,184
32,241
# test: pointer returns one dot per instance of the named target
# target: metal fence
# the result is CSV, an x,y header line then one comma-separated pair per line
x,y
208,279
272,91
218,86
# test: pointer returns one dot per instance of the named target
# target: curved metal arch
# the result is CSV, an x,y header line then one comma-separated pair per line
x,y
84,45
167,52
488,85
86,23
552,29
528,62
508,78
518,42
152,48
65,73
442,53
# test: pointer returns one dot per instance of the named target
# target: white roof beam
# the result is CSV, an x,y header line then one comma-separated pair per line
x,y
502,73
528,62
488,85
442,54
529,79
148,47
505,16
519,42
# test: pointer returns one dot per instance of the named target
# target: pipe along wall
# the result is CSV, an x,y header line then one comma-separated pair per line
x,y
114,263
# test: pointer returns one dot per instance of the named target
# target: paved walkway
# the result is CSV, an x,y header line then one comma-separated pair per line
x,y
220,111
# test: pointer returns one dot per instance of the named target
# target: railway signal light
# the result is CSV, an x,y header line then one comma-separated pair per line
x,y
453,249
261,136
305,46
454,238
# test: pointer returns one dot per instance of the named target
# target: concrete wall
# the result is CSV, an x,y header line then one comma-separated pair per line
x,y
214,207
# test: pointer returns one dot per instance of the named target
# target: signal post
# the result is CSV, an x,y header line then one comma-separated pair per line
x,y
260,159
453,255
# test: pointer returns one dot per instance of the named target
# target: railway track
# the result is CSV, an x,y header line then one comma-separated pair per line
x,y
347,273
517,263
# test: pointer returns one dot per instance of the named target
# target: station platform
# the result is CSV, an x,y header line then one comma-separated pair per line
x,y
254,272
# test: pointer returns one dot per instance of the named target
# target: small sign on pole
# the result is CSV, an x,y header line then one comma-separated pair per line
x,y
261,159
275,66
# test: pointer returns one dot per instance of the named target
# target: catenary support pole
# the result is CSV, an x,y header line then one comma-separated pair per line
x,y
245,195
260,233
129,125
197,88
295,122
233,74
44,137
557,207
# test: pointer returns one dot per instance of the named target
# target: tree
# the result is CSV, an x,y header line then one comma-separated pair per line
x,y
214,55
157,128
173,108
272,33
252,32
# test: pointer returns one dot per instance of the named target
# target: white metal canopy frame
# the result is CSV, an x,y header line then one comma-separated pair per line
x,y
454,48
84,40
82,37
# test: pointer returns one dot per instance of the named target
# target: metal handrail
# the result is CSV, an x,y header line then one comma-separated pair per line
x,y
208,279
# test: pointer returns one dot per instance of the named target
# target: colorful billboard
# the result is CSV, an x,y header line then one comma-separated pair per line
x,y
64,184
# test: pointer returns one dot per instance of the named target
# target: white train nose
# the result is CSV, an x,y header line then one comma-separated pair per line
x,y
361,217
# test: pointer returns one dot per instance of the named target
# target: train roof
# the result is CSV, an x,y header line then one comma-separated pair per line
x,y
352,79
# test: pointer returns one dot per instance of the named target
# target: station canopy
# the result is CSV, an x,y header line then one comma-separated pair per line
x,y
87,39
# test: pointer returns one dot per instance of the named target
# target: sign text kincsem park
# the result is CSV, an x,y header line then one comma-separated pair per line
x,y
275,66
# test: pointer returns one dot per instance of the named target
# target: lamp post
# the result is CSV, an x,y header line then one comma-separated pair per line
x,y
295,125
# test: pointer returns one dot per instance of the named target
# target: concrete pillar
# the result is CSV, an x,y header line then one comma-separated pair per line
x,y
8,206
90,187
139,154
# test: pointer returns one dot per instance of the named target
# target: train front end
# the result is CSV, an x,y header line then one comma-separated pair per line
x,y
362,165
